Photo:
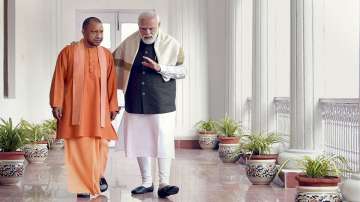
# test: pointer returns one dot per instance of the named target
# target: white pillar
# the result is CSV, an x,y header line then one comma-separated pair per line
x,y
350,188
263,114
239,59
304,125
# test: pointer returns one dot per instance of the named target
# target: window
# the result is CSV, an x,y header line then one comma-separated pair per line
x,y
117,24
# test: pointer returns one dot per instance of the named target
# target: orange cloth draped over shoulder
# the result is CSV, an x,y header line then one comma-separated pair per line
x,y
84,86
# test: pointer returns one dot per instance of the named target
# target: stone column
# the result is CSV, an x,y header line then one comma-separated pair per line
x,y
263,114
350,188
239,59
304,122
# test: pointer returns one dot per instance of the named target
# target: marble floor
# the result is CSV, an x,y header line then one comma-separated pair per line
x,y
200,174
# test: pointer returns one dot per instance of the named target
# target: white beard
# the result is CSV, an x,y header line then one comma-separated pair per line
x,y
149,40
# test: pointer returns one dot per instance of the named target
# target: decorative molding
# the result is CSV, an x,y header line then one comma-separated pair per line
x,y
282,105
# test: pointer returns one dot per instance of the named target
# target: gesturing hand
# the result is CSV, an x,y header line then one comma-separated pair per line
x,y
150,64
113,115
57,113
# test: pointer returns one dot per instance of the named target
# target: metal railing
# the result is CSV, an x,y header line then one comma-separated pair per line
x,y
282,116
340,126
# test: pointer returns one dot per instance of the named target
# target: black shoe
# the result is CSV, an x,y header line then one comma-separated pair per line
x,y
83,195
167,191
103,185
142,190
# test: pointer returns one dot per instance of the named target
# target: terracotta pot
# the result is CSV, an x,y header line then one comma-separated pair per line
x,y
229,140
206,132
12,155
262,157
317,182
40,142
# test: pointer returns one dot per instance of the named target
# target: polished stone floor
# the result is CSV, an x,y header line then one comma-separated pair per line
x,y
201,176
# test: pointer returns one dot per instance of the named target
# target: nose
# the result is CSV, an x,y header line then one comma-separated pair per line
x,y
147,31
98,35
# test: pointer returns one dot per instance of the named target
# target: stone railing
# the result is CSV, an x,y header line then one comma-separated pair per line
x,y
340,126
282,110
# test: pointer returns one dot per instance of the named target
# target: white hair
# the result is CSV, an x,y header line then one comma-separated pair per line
x,y
148,14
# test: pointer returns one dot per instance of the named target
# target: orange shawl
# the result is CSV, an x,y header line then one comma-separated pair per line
x,y
78,82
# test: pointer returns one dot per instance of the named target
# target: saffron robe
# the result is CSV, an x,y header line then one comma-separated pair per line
x,y
85,160
61,95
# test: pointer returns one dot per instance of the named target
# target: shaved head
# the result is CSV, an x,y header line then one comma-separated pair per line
x,y
88,20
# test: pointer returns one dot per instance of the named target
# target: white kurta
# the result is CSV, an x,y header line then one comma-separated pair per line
x,y
148,135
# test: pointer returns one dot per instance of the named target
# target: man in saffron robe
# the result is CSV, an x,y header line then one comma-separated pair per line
x,y
149,63
84,102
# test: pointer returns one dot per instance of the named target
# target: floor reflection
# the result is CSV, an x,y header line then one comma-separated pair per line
x,y
200,174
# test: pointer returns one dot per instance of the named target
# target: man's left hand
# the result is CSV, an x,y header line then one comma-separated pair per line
x,y
113,115
151,64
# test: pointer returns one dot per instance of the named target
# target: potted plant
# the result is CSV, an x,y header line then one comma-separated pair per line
x,y
229,132
260,163
321,177
36,136
207,134
49,127
11,157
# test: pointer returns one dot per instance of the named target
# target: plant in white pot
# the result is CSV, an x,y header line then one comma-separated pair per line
x,y
229,134
11,157
37,138
207,134
260,163
320,178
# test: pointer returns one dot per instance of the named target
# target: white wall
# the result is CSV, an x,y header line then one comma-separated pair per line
x,y
279,47
336,48
34,54
188,24
32,63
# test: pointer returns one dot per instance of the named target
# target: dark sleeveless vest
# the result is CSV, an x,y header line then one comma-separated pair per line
x,y
147,92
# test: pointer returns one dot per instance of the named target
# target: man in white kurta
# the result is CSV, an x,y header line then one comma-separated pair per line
x,y
149,61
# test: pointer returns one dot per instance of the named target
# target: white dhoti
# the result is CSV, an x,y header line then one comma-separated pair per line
x,y
148,135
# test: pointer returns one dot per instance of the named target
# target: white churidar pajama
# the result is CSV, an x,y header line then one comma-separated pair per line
x,y
149,136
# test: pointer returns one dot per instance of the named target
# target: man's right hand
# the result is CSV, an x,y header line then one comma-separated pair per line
x,y
57,113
